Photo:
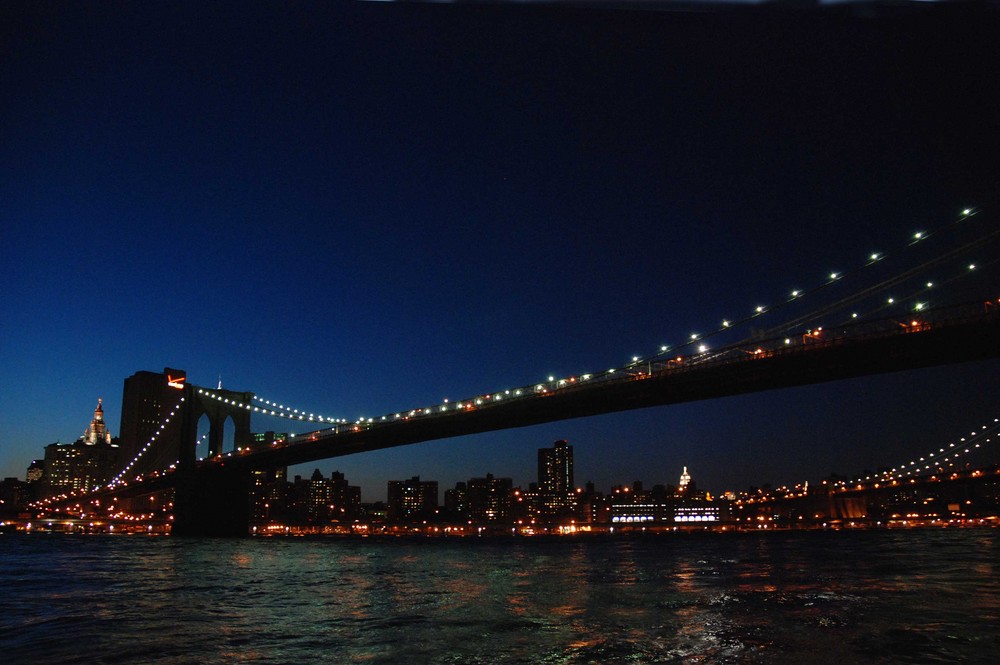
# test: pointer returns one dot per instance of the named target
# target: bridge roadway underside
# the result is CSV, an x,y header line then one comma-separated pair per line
x,y
859,358
979,340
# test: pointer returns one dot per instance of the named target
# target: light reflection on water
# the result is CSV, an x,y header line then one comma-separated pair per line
x,y
916,596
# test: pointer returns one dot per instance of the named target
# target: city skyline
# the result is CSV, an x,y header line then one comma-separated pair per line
x,y
555,475
547,479
359,208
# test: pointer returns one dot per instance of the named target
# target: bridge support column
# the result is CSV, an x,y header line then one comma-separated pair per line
x,y
213,502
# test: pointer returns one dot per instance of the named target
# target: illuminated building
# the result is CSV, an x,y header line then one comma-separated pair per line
x,y
489,499
633,505
685,479
556,494
86,464
97,431
411,499
266,439
78,466
332,498
270,493
319,495
35,479
706,512
36,471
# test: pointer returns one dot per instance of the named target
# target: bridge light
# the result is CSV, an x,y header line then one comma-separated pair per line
x,y
694,336
552,378
854,315
967,212
918,235
760,309
834,275
972,266
795,293
891,300
874,256
788,341
919,306
702,348
664,348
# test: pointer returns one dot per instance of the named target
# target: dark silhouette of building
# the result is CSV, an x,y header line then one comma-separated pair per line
x,y
14,494
456,502
147,399
35,478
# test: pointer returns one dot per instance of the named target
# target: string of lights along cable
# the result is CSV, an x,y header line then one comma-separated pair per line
x,y
935,461
918,305
119,479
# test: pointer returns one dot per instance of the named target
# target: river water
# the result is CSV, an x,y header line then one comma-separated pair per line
x,y
919,596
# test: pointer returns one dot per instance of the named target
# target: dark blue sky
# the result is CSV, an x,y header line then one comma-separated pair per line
x,y
357,208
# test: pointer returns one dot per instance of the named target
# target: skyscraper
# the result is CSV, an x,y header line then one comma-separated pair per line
x,y
556,493
685,479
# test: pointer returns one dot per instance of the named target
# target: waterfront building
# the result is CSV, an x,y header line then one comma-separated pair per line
x,y
411,499
456,502
490,499
524,504
14,494
593,507
665,505
332,498
556,493
319,497
270,493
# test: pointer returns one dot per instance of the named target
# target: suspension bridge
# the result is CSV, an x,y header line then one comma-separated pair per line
x,y
889,319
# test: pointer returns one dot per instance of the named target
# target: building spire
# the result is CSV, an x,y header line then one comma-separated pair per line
x,y
98,430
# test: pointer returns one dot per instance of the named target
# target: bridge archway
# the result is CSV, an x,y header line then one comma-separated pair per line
x,y
225,411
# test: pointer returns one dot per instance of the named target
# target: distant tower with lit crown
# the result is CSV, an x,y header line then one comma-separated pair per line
x,y
685,479
97,431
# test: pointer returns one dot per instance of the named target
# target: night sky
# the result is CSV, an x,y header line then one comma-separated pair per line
x,y
358,208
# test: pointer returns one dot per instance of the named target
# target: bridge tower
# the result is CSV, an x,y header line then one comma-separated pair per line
x,y
213,500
